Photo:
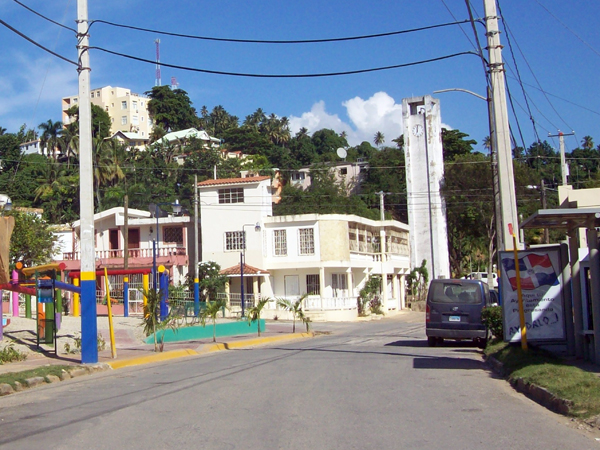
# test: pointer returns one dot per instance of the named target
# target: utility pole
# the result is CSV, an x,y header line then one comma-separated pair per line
x,y
126,232
501,136
89,327
196,236
564,170
546,232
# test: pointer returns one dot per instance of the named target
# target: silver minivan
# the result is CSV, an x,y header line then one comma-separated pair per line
x,y
454,311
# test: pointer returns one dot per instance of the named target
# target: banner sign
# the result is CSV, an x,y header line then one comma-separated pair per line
x,y
541,287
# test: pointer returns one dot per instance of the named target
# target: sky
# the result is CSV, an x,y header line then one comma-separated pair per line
x,y
556,46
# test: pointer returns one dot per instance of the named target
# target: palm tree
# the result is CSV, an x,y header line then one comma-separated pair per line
x,y
379,138
49,138
294,307
487,143
255,311
2,131
587,142
210,312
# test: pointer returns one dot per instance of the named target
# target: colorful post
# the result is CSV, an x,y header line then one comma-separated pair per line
x,y
28,306
519,292
113,347
58,295
146,286
164,292
75,299
196,297
15,295
126,296
1,317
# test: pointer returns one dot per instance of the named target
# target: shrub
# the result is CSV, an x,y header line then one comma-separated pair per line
x,y
10,354
491,316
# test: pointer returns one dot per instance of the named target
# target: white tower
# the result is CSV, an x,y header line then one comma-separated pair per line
x,y
424,173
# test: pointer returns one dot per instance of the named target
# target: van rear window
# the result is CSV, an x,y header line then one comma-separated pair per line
x,y
455,293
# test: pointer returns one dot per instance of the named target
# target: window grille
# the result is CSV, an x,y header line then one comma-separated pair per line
x,y
233,195
235,240
173,235
307,241
280,242
313,285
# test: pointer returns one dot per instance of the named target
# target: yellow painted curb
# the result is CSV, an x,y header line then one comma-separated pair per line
x,y
156,357
250,342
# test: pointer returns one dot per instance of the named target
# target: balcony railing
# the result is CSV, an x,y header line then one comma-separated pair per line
x,y
133,253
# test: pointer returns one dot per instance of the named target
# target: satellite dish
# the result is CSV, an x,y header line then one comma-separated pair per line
x,y
341,152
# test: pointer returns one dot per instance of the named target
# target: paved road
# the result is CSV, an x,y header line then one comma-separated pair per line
x,y
369,385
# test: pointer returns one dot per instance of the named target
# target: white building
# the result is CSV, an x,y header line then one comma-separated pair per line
x,y
327,257
128,111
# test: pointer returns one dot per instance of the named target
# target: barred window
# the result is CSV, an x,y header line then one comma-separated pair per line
x,y
280,242
173,235
235,240
307,241
313,285
231,195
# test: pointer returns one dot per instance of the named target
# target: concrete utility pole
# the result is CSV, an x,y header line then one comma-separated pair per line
x,y
501,137
564,171
89,327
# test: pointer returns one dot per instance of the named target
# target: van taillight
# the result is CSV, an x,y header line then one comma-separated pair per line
x,y
427,313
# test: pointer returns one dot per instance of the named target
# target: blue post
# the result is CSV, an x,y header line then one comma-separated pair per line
x,y
154,267
89,325
164,310
196,297
126,297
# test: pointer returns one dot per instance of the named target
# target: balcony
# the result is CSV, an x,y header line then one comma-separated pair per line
x,y
163,252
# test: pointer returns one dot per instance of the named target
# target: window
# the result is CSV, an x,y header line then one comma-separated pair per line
x,y
142,118
233,195
112,120
92,95
313,285
339,281
298,176
124,104
173,235
134,104
307,241
280,242
123,120
344,171
98,94
234,240
134,120
142,103
75,100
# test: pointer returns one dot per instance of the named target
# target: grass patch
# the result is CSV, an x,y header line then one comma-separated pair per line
x,y
12,377
10,354
543,369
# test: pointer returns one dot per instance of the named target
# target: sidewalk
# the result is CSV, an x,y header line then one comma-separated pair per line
x,y
129,336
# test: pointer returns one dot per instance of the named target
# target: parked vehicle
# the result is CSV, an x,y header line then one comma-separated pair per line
x,y
483,276
453,311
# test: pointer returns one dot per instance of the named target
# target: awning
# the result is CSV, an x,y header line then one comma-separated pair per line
x,y
567,219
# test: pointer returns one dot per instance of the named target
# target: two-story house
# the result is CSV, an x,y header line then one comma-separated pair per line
x,y
327,257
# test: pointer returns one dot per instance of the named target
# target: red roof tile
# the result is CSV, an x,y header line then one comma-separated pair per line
x,y
233,181
248,270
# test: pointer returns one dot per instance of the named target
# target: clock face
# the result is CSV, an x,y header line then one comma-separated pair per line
x,y
417,130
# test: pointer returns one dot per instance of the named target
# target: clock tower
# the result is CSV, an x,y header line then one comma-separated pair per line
x,y
424,174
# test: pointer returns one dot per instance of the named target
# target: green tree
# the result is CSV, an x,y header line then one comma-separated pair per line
x,y
295,307
50,136
210,312
379,139
255,312
171,109
210,281
454,143
219,121
326,143
32,241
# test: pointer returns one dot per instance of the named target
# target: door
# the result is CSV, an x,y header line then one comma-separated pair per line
x,y
113,242
134,242
292,286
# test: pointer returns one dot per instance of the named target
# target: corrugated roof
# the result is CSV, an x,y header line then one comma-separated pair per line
x,y
233,181
248,270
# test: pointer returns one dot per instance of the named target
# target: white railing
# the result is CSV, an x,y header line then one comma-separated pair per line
x,y
133,253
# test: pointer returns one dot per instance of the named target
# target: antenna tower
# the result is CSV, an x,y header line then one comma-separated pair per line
x,y
158,81
174,83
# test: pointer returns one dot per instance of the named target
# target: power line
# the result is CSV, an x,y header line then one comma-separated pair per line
x,y
262,41
312,75
27,38
44,17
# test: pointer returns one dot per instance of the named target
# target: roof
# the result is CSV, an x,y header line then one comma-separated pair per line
x,y
564,218
221,181
189,133
248,270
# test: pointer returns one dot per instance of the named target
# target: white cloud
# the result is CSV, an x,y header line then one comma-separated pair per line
x,y
378,113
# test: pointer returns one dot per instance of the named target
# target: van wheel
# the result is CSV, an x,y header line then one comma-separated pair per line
x,y
481,342
440,341
431,341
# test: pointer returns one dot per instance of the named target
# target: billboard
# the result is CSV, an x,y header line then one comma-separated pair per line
x,y
541,287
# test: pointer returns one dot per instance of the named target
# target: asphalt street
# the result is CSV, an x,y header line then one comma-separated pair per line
x,y
366,385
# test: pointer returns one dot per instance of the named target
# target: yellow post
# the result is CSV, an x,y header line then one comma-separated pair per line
x,y
113,348
146,286
75,299
520,296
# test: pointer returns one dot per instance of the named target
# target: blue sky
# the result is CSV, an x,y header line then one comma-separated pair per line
x,y
557,49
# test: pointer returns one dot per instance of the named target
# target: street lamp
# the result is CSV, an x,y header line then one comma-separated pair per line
x,y
155,253
243,260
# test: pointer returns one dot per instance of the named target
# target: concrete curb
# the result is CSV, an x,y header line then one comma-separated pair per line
x,y
536,393
156,357
252,342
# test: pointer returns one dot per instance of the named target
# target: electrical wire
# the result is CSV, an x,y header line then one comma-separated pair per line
x,y
27,38
311,75
44,17
259,41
